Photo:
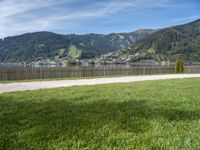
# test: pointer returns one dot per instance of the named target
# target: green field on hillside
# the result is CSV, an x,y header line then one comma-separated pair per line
x,y
141,115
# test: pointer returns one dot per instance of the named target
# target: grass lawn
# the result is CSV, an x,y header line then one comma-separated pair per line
x,y
141,115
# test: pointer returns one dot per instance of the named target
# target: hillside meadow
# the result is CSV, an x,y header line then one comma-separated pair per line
x,y
141,115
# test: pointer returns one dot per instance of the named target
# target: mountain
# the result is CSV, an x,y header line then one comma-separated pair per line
x,y
169,44
47,45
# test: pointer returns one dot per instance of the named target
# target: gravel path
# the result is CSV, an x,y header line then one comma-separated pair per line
x,y
24,86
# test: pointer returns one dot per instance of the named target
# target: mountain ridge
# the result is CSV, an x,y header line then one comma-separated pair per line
x,y
48,45
170,43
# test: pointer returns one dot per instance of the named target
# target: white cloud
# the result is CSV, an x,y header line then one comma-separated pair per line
x,y
22,16
189,18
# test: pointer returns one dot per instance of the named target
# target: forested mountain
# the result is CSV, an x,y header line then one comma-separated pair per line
x,y
169,44
160,45
47,45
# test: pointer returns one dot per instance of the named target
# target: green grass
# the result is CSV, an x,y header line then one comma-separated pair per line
x,y
141,115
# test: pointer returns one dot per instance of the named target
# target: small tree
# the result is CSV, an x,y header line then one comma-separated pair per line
x,y
180,65
182,68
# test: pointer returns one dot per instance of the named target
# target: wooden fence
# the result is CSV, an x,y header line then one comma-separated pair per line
x,y
25,73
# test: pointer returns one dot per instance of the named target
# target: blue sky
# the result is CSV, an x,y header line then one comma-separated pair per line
x,y
93,16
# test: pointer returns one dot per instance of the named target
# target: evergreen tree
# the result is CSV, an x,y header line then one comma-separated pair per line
x,y
180,65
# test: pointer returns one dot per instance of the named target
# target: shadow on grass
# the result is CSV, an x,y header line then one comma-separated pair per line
x,y
29,124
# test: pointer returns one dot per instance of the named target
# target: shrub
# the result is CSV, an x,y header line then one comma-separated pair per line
x,y
180,65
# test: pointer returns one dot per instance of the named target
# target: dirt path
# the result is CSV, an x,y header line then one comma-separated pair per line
x,y
24,86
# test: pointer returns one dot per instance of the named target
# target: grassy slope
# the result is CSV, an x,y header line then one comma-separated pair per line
x,y
73,53
142,115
